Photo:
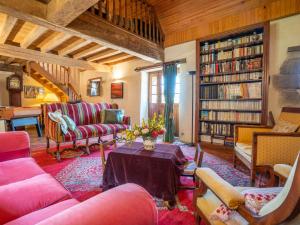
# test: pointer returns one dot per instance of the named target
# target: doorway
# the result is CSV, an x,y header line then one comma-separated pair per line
x,y
156,101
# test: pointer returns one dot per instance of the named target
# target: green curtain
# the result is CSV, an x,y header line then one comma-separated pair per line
x,y
170,73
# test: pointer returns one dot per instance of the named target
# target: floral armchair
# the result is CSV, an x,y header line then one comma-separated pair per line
x,y
259,148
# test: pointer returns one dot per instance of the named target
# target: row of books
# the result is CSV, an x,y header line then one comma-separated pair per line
x,y
231,116
232,42
231,105
232,78
220,140
231,91
216,129
236,52
232,66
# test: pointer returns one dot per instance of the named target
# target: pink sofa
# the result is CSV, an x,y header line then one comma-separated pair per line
x,y
28,195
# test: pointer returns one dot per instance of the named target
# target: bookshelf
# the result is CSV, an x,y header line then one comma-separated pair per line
x,y
232,83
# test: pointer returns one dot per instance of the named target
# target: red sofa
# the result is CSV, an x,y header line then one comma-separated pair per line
x,y
28,195
87,117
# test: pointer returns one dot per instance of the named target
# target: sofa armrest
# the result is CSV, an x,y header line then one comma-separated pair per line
x,y
14,145
244,133
270,148
53,130
126,120
127,204
221,188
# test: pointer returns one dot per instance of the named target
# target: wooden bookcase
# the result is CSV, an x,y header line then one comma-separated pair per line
x,y
232,83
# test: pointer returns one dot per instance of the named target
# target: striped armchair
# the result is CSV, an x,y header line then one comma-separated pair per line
x,y
87,117
259,148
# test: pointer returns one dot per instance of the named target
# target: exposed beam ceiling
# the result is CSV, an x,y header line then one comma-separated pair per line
x,y
102,54
52,41
113,58
32,55
62,12
73,46
36,32
6,28
89,51
122,61
95,30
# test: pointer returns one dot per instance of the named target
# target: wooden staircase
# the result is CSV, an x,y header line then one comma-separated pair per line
x,y
56,78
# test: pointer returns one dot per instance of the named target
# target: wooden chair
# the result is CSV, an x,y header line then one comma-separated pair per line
x,y
213,191
191,166
259,148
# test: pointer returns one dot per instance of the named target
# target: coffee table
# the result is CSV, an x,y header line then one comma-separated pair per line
x,y
157,171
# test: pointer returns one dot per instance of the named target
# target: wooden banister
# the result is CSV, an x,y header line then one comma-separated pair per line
x,y
135,16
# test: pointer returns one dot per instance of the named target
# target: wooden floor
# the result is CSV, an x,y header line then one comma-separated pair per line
x,y
38,142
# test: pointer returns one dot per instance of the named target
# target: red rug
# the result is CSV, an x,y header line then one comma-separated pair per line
x,y
83,177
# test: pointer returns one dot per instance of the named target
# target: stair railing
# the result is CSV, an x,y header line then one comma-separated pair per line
x,y
135,16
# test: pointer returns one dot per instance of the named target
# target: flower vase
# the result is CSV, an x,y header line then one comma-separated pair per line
x,y
149,143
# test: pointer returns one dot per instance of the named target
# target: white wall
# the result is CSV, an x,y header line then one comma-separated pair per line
x,y
187,51
123,72
284,33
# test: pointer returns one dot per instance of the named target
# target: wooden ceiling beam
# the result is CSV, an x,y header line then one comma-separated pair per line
x,y
33,35
113,58
102,54
32,55
121,61
52,41
73,47
117,38
7,28
137,46
9,60
89,51
62,12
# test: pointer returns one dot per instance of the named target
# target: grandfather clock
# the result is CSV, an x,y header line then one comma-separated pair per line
x,y
15,87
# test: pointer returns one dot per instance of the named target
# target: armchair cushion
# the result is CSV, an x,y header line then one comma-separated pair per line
x,y
285,127
282,169
57,117
245,149
225,191
256,198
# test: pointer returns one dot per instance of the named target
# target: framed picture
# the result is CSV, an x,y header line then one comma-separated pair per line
x,y
33,91
117,90
94,87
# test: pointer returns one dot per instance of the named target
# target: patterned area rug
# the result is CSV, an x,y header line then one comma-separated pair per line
x,y
83,177
83,174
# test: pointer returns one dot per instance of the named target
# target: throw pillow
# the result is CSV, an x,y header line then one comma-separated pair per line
x,y
285,127
256,198
71,124
227,216
112,116
57,117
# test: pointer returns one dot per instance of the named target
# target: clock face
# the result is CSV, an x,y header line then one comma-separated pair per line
x,y
15,83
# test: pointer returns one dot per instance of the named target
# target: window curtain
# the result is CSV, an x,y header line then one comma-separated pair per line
x,y
170,73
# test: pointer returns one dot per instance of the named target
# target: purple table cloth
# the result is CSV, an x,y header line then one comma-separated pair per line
x,y
157,171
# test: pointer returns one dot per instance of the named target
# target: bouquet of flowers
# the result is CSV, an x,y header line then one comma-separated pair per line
x,y
149,130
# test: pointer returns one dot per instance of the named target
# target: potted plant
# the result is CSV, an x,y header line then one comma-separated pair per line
x,y
149,131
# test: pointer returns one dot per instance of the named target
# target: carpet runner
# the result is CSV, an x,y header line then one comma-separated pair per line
x,y
83,178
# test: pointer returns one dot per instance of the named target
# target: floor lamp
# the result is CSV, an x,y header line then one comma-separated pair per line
x,y
192,73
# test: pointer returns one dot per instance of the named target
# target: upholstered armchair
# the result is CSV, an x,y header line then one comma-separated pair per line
x,y
213,191
259,148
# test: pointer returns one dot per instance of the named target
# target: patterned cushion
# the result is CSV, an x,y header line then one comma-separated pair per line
x,y
57,117
256,198
94,130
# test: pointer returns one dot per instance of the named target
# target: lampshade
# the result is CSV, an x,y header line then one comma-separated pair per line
x,y
51,97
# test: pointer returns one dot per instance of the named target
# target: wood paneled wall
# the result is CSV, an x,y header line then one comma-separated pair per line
x,y
206,18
